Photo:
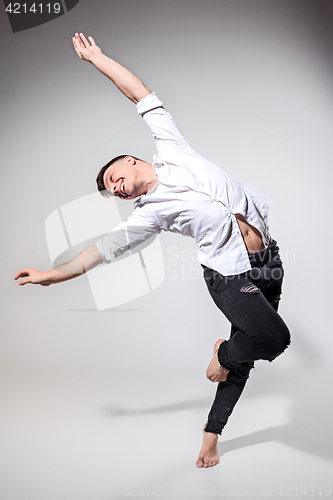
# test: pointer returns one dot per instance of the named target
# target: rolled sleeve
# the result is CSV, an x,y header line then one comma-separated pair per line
x,y
127,235
148,103
168,137
105,250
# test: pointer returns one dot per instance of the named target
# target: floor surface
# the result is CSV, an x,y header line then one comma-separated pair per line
x,y
102,435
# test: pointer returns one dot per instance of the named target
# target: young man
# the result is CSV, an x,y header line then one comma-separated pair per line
x,y
182,192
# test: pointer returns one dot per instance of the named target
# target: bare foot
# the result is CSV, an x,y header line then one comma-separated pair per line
x,y
215,372
208,456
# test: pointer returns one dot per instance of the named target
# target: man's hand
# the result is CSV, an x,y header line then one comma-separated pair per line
x,y
86,260
127,83
84,49
33,276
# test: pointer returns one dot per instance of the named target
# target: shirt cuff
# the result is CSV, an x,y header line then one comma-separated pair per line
x,y
148,103
107,255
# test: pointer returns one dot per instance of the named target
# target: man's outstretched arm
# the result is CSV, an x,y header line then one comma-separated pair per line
x,y
126,82
86,260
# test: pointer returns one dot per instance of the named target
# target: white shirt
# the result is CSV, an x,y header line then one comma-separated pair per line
x,y
193,197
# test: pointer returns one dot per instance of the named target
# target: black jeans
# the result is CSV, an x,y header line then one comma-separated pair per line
x,y
250,302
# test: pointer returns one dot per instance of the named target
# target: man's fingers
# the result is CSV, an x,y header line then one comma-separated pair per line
x,y
24,282
79,41
77,38
84,40
24,273
20,274
76,47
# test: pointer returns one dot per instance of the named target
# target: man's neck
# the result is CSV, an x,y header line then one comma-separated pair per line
x,y
150,177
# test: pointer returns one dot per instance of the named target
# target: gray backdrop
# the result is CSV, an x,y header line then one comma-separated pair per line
x,y
249,83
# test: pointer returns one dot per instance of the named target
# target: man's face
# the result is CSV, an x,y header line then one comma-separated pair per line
x,y
121,178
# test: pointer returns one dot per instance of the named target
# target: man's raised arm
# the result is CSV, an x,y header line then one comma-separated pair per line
x,y
86,260
126,82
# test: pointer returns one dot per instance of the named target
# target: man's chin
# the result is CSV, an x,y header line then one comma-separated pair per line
x,y
126,196
131,195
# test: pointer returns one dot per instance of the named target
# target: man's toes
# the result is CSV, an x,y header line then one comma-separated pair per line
x,y
199,463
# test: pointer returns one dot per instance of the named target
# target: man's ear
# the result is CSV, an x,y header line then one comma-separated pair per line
x,y
130,160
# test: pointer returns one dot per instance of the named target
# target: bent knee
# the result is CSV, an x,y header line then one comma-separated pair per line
x,y
280,343
286,338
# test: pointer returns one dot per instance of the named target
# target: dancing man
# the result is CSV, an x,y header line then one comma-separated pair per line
x,y
181,191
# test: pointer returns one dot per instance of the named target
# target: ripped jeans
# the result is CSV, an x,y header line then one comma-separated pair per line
x,y
250,302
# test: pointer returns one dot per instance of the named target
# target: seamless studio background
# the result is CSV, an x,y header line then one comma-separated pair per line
x,y
101,405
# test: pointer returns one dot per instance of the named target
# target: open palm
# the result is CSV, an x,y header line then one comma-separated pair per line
x,y
84,48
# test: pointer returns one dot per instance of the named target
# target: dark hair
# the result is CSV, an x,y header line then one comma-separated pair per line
x,y
99,179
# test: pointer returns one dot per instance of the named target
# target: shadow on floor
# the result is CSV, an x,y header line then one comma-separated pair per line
x,y
185,405
308,386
